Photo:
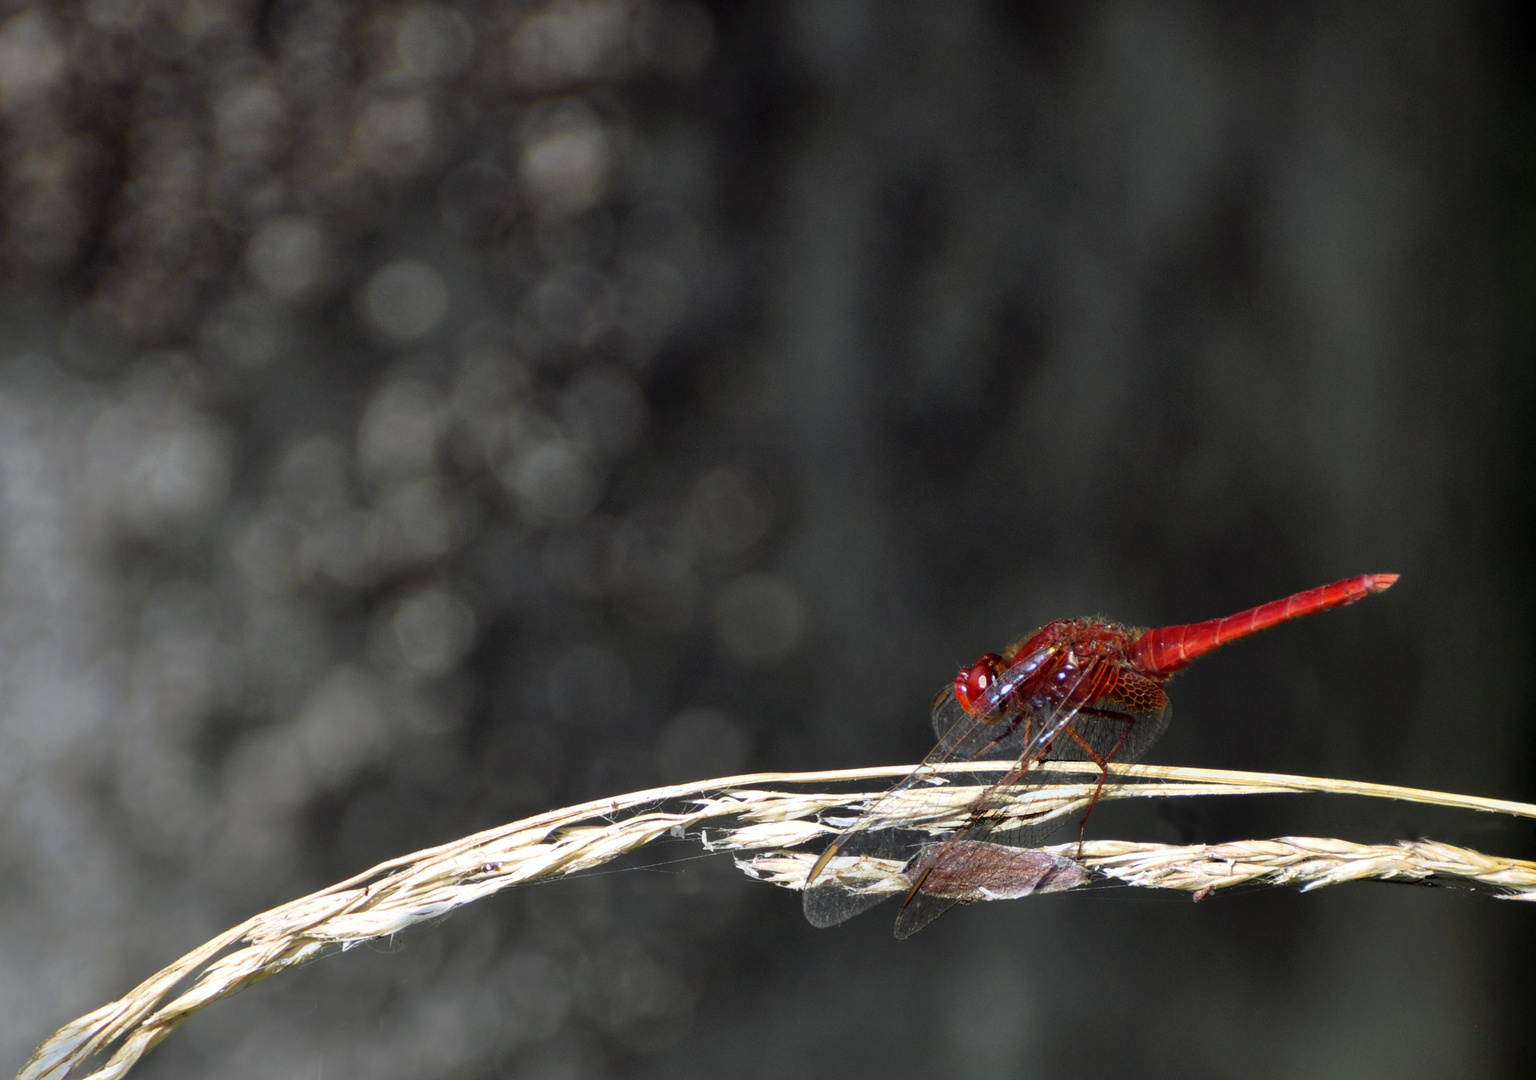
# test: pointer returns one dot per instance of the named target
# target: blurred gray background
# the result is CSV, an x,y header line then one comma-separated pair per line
x,y
418,416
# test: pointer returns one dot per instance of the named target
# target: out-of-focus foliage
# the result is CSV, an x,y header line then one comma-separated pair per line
x,y
336,516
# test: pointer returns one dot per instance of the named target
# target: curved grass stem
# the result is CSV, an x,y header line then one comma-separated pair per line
x,y
766,813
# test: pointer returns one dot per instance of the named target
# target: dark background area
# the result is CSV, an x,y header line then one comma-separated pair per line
x,y
414,417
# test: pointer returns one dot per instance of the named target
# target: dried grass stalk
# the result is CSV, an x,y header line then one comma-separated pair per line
x,y
1306,861
758,812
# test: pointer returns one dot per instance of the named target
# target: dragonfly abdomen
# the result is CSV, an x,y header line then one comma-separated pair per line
x,y
1161,652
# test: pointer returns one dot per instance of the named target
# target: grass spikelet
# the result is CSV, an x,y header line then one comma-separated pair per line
x,y
764,816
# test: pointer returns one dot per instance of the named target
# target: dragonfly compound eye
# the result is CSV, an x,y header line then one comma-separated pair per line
x,y
972,683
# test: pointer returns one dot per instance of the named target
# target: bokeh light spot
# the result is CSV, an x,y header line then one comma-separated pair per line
x,y
406,300
399,433
395,134
434,41
553,482
566,157
31,59
760,619
573,40
698,744
286,256
433,630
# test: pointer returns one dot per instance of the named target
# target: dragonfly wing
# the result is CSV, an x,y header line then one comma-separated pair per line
x,y
965,871
987,827
921,907
1114,732
919,910
947,712
1149,728
1048,716
1005,724
830,899
883,830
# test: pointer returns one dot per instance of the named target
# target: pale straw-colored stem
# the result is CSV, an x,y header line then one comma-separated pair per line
x,y
1307,861
763,812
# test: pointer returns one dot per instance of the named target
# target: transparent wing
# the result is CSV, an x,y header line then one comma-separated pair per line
x,y
883,830
1048,715
1070,723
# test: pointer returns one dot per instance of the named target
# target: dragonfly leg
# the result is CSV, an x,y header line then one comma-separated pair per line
x,y
1102,761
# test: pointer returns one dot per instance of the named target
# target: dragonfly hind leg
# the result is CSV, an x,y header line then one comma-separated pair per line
x,y
1101,760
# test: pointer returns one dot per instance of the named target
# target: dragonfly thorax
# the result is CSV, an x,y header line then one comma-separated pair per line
x,y
1054,658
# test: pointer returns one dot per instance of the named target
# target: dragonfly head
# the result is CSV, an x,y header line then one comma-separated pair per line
x,y
972,683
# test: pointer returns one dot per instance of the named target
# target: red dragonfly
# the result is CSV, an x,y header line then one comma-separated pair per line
x,y
1077,689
